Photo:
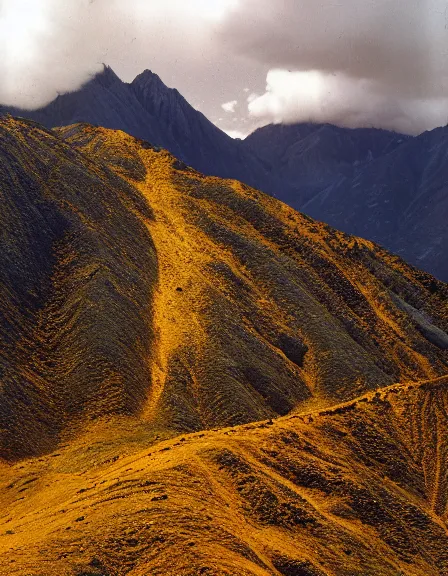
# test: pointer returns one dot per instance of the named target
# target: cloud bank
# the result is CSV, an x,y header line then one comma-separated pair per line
x,y
336,98
379,62
354,63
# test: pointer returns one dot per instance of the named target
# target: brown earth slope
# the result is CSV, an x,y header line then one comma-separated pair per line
x,y
141,301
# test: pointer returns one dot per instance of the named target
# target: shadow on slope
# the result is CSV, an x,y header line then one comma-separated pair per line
x,y
77,271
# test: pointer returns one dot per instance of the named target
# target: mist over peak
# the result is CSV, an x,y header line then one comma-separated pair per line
x,y
376,64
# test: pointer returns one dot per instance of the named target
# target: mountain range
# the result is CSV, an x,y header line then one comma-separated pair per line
x,y
387,187
197,379
390,188
148,109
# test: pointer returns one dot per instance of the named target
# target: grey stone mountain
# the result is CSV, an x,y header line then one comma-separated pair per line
x,y
384,186
399,200
311,157
148,109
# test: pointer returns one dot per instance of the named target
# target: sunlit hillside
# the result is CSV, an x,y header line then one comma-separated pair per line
x,y
196,379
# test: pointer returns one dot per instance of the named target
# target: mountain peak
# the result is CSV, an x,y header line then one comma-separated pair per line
x,y
155,96
107,76
149,78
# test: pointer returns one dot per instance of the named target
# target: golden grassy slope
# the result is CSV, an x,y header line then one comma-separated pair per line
x,y
191,302
141,301
356,490
271,307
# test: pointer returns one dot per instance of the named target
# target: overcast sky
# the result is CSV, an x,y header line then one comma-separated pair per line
x,y
242,62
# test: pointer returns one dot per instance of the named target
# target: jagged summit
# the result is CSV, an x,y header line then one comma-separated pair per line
x,y
107,76
146,108
158,99
150,81
149,77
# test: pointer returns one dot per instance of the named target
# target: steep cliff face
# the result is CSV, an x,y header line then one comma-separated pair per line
x,y
135,285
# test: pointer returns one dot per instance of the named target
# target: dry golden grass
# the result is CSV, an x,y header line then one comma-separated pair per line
x,y
153,321
359,489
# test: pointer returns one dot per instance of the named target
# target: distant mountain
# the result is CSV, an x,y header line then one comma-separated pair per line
x,y
311,157
387,187
148,109
384,186
399,200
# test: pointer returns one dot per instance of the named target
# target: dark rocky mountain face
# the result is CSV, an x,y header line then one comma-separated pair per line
x,y
311,157
387,187
399,200
148,109
105,101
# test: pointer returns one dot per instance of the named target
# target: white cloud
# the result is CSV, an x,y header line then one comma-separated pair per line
x,y
53,46
229,106
235,134
317,96
252,96
389,57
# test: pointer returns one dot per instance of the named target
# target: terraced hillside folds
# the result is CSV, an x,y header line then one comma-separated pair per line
x,y
356,490
196,379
